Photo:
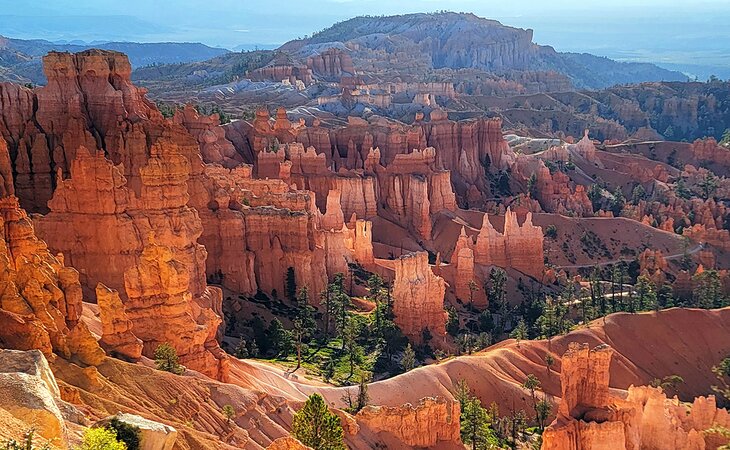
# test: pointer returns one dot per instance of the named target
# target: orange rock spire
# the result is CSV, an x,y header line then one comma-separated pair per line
x,y
418,298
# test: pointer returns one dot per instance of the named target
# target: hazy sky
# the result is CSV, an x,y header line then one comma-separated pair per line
x,y
688,32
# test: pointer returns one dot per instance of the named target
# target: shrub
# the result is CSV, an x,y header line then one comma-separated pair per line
x,y
166,359
127,433
551,231
26,443
101,439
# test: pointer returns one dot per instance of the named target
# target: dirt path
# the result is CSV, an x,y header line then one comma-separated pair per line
x,y
691,251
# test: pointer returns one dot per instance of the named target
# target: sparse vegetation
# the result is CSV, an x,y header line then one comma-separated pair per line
x,y
101,439
26,443
166,359
316,426
126,433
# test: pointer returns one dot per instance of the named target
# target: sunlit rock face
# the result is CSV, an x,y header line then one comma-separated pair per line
x,y
418,298
590,417
41,298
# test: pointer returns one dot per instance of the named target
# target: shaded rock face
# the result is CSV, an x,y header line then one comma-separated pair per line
x,y
88,101
333,63
121,173
465,148
589,417
431,422
40,298
99,222
30,393
214,147
584,379
418,298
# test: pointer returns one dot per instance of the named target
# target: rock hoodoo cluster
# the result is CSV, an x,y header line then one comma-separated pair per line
x,y
520,246
590,417
41,298
431,422
163,309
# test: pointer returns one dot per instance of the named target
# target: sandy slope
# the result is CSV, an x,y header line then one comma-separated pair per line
x,y
685,342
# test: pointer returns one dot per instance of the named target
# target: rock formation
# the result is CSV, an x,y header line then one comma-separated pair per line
x,y
41,298
653,264
332,63
287,443
117,337
589,417
418,298
214,147
430,423
467,286
519,247
163,309
152,435
30,393
95,207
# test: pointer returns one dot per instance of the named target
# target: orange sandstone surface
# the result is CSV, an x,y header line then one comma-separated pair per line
x,y
138,214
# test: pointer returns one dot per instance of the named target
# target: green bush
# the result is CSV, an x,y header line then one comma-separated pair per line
x,y
127,433
166,359
551,231
101,439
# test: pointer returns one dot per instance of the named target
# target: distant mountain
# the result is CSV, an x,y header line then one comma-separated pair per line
x,y
20,59
417,43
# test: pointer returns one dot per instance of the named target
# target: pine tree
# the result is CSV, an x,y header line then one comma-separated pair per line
x,y
280,338
617,202
708,185
229,413
498,297
291,284
532,384
475,430
549,361
520,331
349,343
638,194
680,188
408,361
462,393
316,426
722,373
472,289
708,290
543,409
166,359
645,295
305,311
376,288
362,393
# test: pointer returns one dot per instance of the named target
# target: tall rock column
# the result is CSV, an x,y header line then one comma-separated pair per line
x,y
465,278
162,310
584,378
418,297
